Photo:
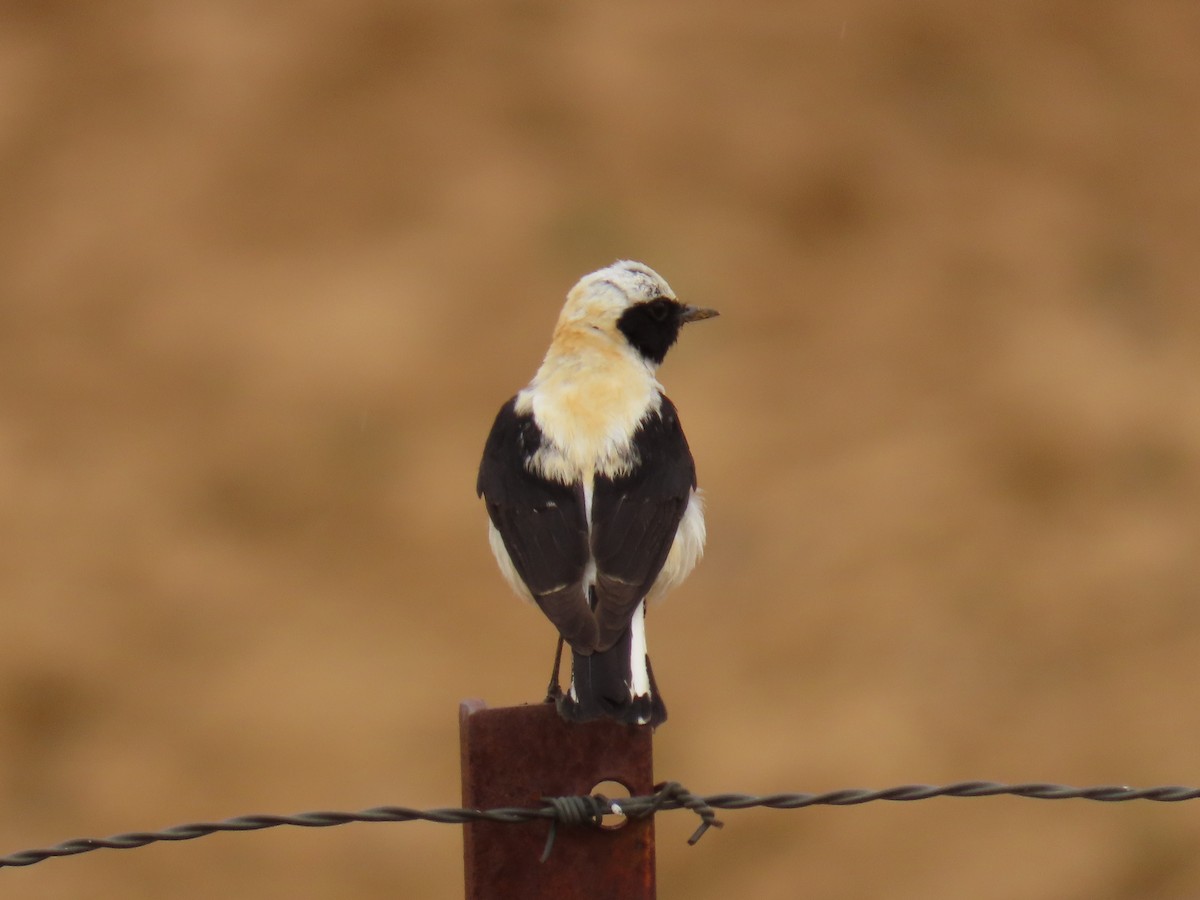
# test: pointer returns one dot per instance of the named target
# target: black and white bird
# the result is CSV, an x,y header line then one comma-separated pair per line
x,y
591,488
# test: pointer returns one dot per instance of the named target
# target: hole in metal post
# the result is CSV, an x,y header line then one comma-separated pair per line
x,y
614,791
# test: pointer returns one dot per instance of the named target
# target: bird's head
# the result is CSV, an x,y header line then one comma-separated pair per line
x,y
631,303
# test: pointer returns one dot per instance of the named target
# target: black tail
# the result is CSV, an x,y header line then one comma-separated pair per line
x,y
601,687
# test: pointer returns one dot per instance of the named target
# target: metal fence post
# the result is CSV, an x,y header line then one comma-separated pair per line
x,y
515,756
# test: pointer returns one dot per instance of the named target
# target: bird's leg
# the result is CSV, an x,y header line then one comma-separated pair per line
x,y
553,691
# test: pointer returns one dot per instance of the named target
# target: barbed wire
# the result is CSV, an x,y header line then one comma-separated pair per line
x,y
575,811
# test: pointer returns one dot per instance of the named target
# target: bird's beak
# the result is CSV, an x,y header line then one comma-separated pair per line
x,y
696,313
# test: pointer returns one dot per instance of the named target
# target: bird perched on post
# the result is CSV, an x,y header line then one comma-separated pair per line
x,y
591,489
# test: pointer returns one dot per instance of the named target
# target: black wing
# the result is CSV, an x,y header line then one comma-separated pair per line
x,y
542,523
634,519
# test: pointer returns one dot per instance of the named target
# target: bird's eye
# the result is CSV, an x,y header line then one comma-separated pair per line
x,y
659,310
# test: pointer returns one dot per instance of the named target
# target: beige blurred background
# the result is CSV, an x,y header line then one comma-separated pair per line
x,y
267,271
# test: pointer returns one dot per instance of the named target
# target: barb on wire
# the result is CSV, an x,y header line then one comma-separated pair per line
x,y
573,811
581,810
681,798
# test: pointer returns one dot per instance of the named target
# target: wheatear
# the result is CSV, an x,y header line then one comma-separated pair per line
x,y
591,488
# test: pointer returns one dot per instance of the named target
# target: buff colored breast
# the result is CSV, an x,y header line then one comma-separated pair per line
x,y
588,398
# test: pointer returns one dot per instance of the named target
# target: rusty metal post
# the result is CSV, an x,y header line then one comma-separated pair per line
x,y
515,756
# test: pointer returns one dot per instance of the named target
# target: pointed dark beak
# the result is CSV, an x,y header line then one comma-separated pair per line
x,y
696,313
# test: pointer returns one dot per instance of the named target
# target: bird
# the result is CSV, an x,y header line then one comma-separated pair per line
x,y
593,505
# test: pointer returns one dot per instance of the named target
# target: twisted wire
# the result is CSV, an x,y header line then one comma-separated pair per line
x,y
316,819
576,811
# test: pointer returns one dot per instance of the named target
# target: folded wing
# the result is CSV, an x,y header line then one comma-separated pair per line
x,y
634,520
542,524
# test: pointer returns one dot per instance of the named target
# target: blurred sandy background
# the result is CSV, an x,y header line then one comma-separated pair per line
x,y
268,270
